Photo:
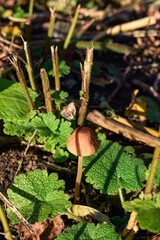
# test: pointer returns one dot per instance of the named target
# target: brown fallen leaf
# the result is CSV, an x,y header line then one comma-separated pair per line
x,y
48,229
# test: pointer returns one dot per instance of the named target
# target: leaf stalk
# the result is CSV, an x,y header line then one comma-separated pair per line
x,y
5,224
153,169
71,30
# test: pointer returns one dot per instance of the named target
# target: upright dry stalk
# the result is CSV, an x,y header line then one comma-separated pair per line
x,y
21,78
46,90
29,66
49,37
86,74
54,52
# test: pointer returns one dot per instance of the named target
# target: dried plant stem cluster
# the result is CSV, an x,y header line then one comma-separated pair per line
x,y
86,74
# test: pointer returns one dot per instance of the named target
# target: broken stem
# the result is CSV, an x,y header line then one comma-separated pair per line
x,y
130,228
29,66
84,94
54,52
21,78
46,90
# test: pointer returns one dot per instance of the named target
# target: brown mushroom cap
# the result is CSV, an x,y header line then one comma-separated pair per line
x,y
83,142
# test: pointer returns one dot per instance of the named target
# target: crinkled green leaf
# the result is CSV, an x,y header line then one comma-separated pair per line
x,y
59,96
54,130
54,133
20,13
101,136
88,231
46,124
60,155
18,128
111,168
130,151
64,69
37,196
148,213
13,104
65,131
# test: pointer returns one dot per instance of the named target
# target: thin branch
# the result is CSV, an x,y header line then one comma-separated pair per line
x,y
119,128
14,209
25,152
140,23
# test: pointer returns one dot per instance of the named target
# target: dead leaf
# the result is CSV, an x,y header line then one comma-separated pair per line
x,y
48,229
137,108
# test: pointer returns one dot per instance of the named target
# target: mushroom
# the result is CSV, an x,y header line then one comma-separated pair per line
x,y
83,142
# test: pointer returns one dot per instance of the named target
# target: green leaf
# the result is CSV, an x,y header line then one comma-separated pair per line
x,y
54,132
59,96
20,13
63,68
148,213
130,151
46,124
18,128
37,196
13,104
111,168
153,109
88,231
60,155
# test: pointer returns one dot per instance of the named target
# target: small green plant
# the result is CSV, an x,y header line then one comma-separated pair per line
x,y
110,169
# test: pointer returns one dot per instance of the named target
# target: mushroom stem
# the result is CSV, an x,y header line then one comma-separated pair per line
x,y
78,179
